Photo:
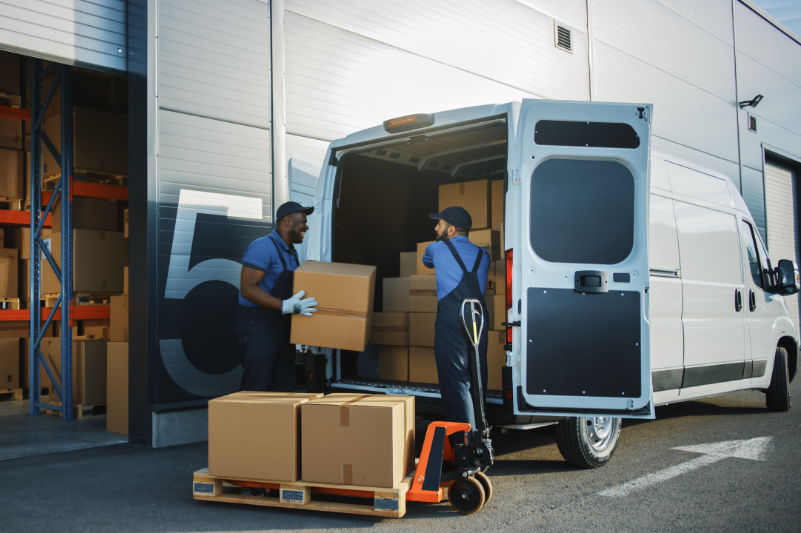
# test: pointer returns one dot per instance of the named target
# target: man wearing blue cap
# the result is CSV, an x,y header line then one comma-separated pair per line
x,y
461,270
266,303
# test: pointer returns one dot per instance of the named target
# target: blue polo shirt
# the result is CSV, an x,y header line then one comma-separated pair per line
x,y
262,254
449,274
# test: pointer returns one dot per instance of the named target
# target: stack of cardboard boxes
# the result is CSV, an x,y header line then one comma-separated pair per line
x,y
404,331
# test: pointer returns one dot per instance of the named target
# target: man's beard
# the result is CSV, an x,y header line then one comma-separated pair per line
x,y
442,236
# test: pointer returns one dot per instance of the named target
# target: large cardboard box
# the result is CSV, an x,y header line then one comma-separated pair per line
x,y
408,264
10,134
9,273
421,329
499,311
420,267
255,436
390,329
22,240
498,270
489,240
497,203
396,295
422,365
90,213
98,258
423,294
117,387
100,141
474,196
9,364
344,294
88,368
358,439
11,173
91,329
496,358
393,363
118,319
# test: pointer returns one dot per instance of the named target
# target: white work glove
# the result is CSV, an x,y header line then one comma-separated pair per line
x,y
296,305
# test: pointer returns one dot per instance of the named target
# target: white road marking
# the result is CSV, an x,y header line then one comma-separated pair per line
x,y
752,449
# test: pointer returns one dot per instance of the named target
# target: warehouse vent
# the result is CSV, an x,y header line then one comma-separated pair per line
x,y
752,123
562,37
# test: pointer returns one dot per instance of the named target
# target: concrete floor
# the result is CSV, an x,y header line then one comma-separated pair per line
x,y
22,435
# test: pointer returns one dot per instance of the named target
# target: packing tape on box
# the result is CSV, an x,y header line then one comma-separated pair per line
x,y
337,312
347,474
344,412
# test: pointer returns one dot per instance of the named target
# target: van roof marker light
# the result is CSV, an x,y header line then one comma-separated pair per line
x,y
409,122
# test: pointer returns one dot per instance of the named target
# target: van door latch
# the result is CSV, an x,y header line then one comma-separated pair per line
x,y
591,281
515,324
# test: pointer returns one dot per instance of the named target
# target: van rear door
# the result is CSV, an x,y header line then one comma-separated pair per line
x,y
582,254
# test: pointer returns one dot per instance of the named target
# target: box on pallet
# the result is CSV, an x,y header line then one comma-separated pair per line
x,y
423,294
474,196
358,439
88,368
421,268
117,387
396,295
421,329
11,173
118,318
393,363
422,365
254,435
9,364
97,261
390,329
345,295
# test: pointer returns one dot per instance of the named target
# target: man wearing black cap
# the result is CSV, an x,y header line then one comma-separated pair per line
x,y
461,270
266,303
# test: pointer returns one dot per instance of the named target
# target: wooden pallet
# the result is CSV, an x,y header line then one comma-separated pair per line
x,y
373,501
80,298
80,411
10,394
9,303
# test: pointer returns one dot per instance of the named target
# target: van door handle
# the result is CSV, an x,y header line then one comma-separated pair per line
x,y
738,300
751,300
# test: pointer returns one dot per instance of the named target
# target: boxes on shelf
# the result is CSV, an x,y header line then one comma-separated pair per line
x,y
344,294
408,264
421,329
390,329
97,261
90,213
420,267
117,387
357,439
422,365
393,363
22,240
396,295
118,318
11,173
423,294
9,273
9,364
10,134
254,435
88,368
473,196
91,329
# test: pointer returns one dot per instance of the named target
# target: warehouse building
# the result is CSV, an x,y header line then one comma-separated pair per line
x,y
228,108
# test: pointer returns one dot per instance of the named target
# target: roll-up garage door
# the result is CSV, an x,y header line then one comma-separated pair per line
x,y
781,202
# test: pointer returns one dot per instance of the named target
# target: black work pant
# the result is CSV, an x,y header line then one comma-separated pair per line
x,y
268,358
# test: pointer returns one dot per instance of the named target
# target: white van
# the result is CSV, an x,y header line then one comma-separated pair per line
x,y
636,279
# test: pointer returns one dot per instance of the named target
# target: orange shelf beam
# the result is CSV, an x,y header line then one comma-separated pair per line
x,y
93,190
15,113
20,218
79,312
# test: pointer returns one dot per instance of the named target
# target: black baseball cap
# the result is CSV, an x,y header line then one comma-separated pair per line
x,y
455,216
291,207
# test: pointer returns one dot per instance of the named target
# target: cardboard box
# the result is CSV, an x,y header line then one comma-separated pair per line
x,y
345,295
420,267
10,134
9,273
255,436
117,387
474,196
423,294
497,203
97,261
393,363
396,295
88,368
358,439
488,239
496,359
91,329
11,173
100,141
499,311
22,240
422,365
125,280
118,319
498,270
90,213
421,329
9,364
408,264
390,329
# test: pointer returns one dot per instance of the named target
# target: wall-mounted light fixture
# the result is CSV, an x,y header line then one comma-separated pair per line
x,y
752,102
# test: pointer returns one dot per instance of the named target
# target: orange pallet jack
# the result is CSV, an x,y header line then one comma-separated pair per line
x,y
456,456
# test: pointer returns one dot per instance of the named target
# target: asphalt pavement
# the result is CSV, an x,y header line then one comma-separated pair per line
x,y
649,485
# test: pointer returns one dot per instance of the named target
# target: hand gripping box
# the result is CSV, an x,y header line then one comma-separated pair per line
x,y
364,440
255,435
344,294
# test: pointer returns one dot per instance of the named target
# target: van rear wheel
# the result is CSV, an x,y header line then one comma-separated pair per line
x,y
777,397
588,442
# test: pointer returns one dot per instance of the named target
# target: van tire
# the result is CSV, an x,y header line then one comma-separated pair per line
x,y
588,442
777,397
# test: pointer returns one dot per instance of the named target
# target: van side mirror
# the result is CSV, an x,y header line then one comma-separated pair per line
x,y
787,279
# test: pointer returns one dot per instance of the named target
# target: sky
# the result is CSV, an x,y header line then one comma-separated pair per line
x,y
788,12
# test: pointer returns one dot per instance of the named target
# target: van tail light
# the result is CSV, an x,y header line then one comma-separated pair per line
x,y
508,295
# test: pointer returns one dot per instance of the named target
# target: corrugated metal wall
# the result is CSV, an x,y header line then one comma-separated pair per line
x,y
82,32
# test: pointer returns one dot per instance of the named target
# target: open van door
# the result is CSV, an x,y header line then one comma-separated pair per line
x,y
581,255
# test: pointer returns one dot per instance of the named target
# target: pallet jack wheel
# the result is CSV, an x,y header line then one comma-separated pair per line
x,y
466,495
486,484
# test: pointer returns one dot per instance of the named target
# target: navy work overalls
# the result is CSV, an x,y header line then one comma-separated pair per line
x,y
269,358
453,352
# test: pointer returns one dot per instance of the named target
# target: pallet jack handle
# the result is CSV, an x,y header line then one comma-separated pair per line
x,y
472,318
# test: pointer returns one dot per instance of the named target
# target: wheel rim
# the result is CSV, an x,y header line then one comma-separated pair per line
x,y
600,431
486,484
466,495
